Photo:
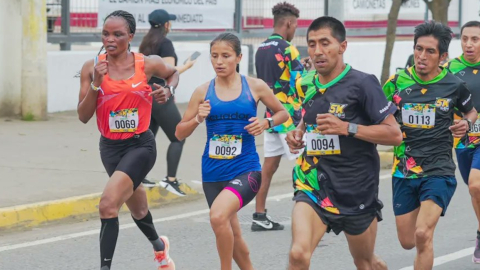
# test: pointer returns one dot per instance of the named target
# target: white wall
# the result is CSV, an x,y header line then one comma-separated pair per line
x,y
64,86
470,10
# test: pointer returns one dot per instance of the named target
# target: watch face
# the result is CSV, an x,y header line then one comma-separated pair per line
x,y
352,128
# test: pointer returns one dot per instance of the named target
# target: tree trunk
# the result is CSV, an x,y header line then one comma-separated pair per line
x,y
439,9
391,29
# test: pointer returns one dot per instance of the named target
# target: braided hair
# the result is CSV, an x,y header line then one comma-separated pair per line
x,y
128,17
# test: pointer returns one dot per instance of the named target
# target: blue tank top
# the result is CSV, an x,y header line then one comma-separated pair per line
x,y
227,119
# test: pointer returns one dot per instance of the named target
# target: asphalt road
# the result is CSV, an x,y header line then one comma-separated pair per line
x,y
75,245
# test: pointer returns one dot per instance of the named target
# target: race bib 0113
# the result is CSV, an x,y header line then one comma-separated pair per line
x,y
418,115
125,120
225,146
319,144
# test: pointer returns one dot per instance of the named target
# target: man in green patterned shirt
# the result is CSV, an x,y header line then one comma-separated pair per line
x,y
423,171
278,64
466,67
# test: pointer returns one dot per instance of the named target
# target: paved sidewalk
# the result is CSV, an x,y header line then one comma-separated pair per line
x,y
59,159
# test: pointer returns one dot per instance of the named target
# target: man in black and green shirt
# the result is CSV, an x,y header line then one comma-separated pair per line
x,y
336,178
467,67
423,171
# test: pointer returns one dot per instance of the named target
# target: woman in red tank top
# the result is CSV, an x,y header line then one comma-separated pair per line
x,y
114,86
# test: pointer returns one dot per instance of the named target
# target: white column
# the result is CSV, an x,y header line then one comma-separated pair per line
x,y
34,60
10,57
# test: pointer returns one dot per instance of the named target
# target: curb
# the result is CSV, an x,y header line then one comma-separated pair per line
x,y
79,207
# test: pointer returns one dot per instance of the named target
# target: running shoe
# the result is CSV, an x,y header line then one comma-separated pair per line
x,y
172,186
148,183
162,259
263,222
476,253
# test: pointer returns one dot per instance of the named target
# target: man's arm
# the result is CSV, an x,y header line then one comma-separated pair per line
x,y
387,132
464,105
384,129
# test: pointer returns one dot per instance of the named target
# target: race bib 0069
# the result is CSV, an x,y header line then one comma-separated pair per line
x,y
125,120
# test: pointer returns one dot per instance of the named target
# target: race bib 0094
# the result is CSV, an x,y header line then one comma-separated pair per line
x,y
319,144
225,146
125,120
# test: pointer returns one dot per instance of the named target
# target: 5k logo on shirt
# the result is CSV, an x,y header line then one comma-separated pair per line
x,y
443,104
337,109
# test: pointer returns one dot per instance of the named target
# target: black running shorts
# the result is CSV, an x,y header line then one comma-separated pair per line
x,y
134,156
350,224
244,186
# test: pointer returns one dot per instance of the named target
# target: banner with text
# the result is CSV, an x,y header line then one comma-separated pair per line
x,y
383,6
191,14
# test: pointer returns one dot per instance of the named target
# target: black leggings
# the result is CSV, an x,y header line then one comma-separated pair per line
x,y
167,117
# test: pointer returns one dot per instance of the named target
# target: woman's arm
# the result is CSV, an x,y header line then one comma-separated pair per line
x,y
156,66
266,96
197,110
171,61
87,101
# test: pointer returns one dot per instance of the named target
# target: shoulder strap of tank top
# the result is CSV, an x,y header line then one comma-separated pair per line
x,y
245,87
211,90
139,62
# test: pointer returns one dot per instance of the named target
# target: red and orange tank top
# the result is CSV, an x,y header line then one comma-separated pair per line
x,y
124,107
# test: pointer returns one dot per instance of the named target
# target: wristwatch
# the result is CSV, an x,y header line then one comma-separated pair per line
x,y
469,123
172,89
270,122
352,129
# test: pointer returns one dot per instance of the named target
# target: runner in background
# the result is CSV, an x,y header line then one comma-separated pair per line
x,y
277,63
165,116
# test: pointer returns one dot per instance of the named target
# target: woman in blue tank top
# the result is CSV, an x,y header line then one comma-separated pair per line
x,y
230,165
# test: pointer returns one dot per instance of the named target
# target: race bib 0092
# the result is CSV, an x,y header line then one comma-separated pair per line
x,y
225,146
